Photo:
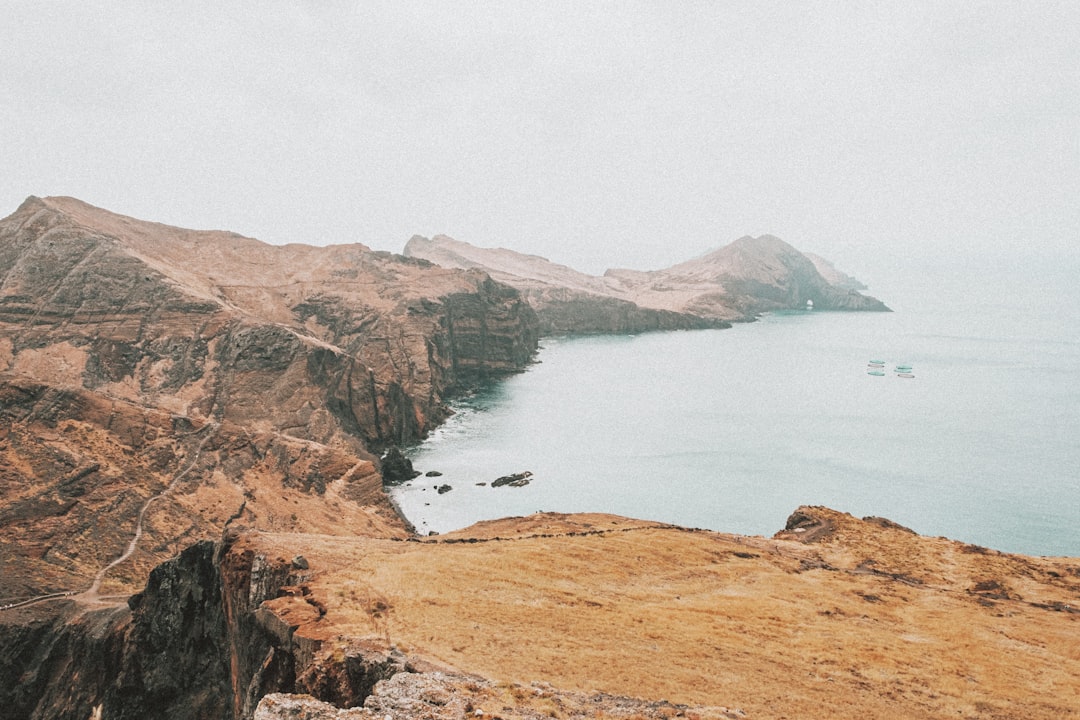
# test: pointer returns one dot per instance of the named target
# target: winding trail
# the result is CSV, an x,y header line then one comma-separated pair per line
x,y
92,595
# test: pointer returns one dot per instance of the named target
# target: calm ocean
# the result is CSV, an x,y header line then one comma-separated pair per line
x,y
733,429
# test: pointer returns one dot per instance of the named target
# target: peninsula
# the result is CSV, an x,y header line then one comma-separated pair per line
x,y
193,522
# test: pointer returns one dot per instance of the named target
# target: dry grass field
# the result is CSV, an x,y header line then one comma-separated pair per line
x,y
841,618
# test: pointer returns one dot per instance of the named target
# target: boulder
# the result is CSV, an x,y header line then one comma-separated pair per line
x,y
396,468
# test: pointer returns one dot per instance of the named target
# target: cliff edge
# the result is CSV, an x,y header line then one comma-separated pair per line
x,y
568,616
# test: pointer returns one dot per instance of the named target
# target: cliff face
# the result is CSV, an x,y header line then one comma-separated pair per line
x,y
158,384
735,283
336,344
81,474
215,629
190,417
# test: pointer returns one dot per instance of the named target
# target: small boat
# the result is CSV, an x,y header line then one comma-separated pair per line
x,y
877,362
878,373
905,375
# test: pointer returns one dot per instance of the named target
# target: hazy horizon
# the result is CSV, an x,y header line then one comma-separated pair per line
x,y
600,135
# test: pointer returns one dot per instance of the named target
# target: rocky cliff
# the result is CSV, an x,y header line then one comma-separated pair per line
x,y
734,283
159,384
336,344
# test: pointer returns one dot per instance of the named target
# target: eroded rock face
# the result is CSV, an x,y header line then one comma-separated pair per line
x,y
77,468
212,632
337,345
212,378
159,385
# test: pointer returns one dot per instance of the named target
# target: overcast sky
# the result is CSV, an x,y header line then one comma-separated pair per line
x,y
596,134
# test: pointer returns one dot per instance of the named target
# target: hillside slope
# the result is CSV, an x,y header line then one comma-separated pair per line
x,y
163,381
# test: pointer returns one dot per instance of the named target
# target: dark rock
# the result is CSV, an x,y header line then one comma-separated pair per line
x,y
433,473
444,489
300,563
566,312
212,371
514,480
396,468
804,526
886,523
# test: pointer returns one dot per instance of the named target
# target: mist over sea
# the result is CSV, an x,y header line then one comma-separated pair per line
x,y
733,429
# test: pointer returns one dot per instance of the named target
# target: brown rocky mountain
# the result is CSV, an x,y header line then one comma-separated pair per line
x,y
734,283
240,379
193,523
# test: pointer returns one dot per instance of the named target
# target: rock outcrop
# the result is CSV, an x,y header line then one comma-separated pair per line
x,y
81,473
738,282
743,279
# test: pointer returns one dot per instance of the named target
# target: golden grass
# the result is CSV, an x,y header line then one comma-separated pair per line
x,y
639,609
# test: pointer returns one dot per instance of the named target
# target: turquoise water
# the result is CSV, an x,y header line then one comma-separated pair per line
x,y
733,429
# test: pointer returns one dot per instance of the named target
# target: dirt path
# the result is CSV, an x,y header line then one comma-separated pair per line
x,y
92,595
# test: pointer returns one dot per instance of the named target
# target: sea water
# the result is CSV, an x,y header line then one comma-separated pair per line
x,y
733,429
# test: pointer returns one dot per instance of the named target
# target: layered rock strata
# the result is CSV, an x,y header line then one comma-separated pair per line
x,y
335,345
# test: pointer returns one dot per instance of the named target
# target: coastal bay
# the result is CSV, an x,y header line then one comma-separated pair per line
x,y
731,429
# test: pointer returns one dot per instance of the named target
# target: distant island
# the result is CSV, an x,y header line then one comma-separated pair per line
x,y
193,521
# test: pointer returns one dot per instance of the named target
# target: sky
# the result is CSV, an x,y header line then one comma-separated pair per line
x,y
596,134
